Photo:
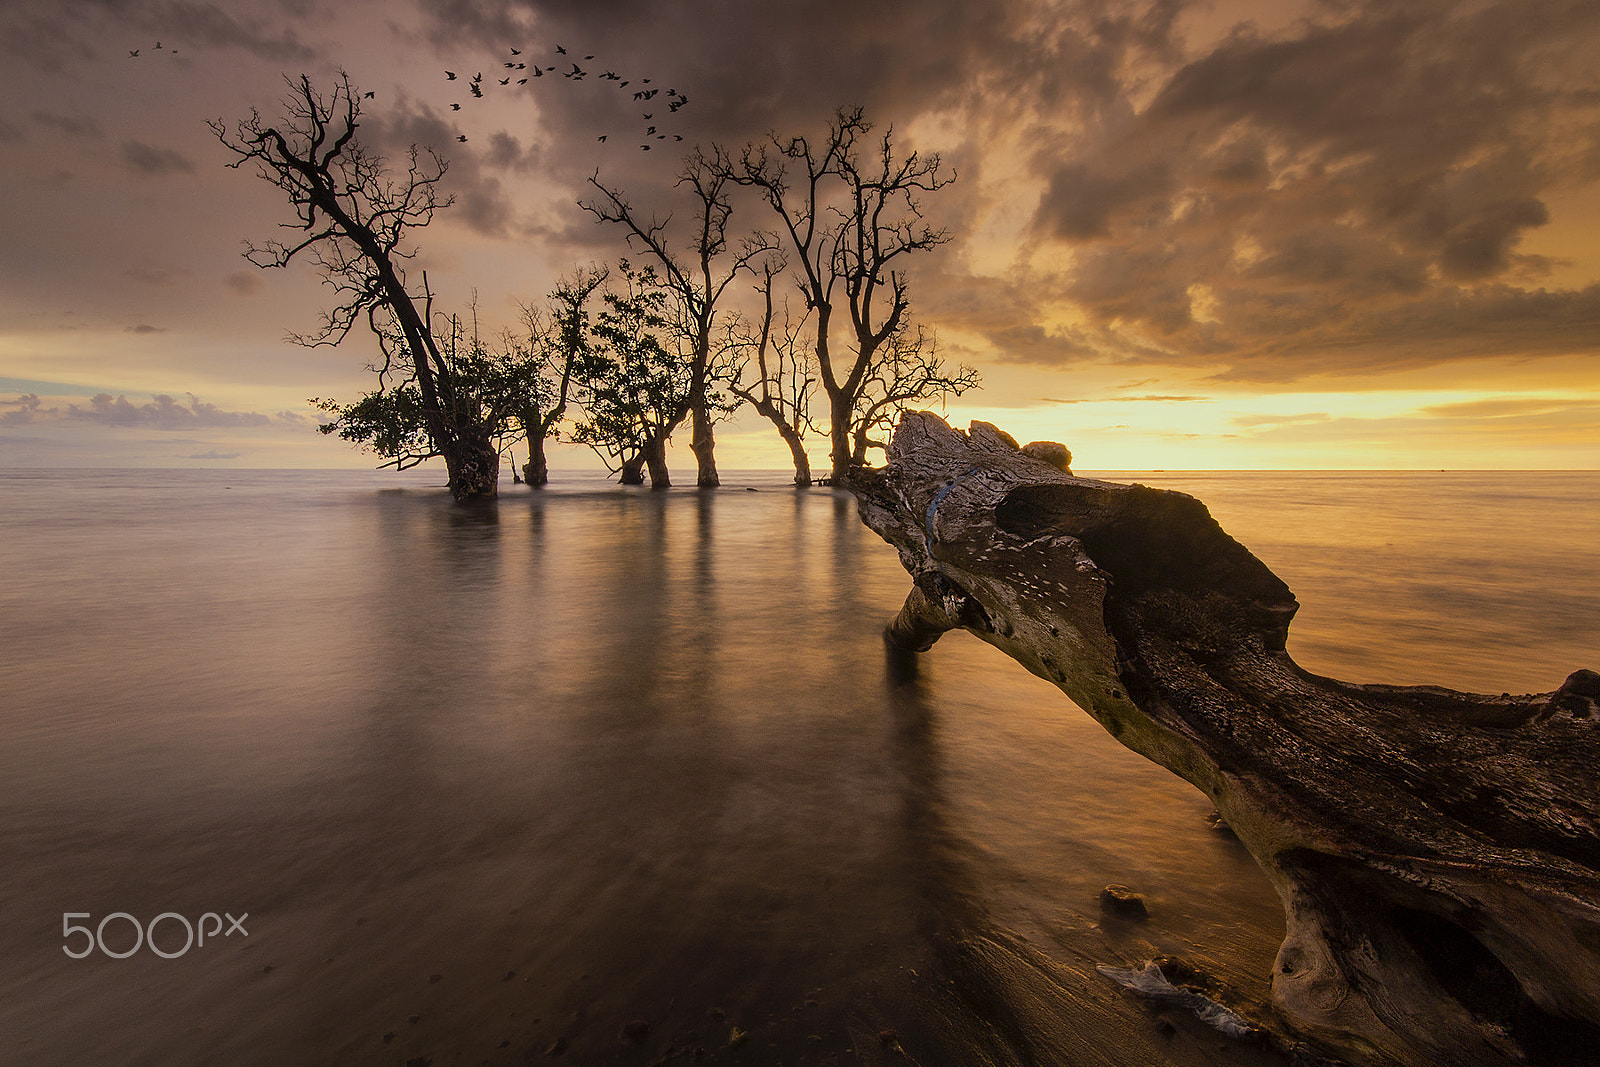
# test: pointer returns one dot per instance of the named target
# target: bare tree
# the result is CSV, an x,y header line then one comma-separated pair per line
x,y
909,368
354,213
850,212
775,374
698,278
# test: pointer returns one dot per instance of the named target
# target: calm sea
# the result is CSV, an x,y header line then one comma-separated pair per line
x,y
615,776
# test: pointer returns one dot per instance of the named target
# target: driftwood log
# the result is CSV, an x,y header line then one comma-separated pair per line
x,y
1436,852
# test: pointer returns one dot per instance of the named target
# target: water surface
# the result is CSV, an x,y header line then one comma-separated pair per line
x,y
492,785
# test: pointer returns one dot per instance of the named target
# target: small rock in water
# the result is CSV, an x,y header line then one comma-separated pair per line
x,y
635,1031
435,977
1123,902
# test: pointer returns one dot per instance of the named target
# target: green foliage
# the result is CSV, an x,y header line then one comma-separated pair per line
x,y
635,388
388,422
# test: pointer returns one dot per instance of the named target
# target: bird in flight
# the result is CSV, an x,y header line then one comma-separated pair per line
x,y
455,107
369,95
158,46
602,137
134,54
516,51
462,138
505,81
450,75
560,50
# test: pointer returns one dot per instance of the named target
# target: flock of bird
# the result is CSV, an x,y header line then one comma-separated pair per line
x,y
517,65
524,70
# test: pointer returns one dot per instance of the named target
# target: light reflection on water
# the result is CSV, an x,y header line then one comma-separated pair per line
x,y
644,751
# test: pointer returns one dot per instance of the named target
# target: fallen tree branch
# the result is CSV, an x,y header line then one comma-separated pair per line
x,y
1436,852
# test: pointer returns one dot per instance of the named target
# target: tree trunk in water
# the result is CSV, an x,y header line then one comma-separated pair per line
x,y
655,461
1435,852
797,449
473,465
703,445
839,411
633,470
536,472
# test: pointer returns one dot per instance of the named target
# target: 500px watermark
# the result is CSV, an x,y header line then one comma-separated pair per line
x,y
144,935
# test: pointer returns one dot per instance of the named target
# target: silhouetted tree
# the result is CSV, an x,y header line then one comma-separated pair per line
x,y
558,349
698,278
354,213
634,389
774,373
392,421
849,210
907,369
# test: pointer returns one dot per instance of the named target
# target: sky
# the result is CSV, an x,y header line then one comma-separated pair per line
x,y
1237,234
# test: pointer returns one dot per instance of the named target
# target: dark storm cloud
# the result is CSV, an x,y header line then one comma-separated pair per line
x,y
1445,325
150,160
243,282
201,26
481,200
1351,194
56,34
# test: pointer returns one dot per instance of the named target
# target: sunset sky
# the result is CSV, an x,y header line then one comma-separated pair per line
x,y
1240,234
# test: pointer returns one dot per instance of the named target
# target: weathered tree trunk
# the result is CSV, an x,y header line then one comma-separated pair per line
x,y
536,472
655,461
473,465
840,410
1437,853
703,444
797,449
633,470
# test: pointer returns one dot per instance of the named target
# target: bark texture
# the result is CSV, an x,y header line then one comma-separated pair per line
x,y
1436,852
